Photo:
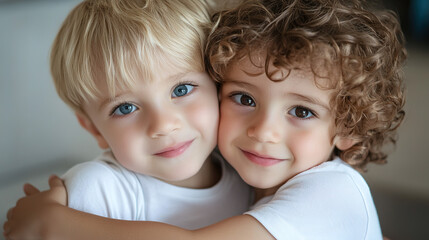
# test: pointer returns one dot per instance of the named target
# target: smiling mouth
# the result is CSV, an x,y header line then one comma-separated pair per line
x,y
261,159
175,150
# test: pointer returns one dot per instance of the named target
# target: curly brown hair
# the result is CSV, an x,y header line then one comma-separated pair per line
x,y
364,45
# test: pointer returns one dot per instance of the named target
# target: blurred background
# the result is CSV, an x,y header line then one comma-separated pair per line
x,y
39,135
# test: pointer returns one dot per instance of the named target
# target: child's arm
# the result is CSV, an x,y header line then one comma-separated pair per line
x,y
45,216
27,218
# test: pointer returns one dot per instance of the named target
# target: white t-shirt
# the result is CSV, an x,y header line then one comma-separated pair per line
x,y
103,187
330,201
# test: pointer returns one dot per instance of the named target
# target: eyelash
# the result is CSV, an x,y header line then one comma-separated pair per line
x,y
234,94
191,83
313,113
112,112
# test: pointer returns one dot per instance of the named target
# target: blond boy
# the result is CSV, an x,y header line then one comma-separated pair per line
x,y
133,72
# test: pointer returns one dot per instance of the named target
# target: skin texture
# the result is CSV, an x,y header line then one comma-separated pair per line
x,y
272,130
165,128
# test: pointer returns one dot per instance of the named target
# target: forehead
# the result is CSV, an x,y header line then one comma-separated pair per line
x,y
324,77
162,68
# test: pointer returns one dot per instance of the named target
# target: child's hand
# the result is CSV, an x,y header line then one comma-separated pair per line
x,y
29,218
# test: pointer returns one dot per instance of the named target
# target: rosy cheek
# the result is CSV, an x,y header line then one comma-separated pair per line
x,y
204,117
223,129
312,148
226,128
298,145
302,144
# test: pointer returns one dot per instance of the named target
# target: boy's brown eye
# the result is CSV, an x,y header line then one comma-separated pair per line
x,y
301,112
246,100
243,99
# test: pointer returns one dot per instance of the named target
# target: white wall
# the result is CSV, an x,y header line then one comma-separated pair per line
x,y
36,127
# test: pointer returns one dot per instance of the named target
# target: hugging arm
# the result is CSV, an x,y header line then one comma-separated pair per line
x,y
43,215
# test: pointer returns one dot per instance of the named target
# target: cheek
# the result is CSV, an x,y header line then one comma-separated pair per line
x,y
223,133
122,141
230,125
124,137
226,136
204,116
311,145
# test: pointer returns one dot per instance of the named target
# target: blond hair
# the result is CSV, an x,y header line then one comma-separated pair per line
x,y
119,40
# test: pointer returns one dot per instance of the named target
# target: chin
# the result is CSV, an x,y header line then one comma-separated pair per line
x,y
185,172
179,176
261,185
255,182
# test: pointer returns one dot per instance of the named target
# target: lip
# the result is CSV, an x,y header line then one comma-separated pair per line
x,y
174,151
262,160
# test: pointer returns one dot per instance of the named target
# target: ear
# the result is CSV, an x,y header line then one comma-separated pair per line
x,y
344,143
87,124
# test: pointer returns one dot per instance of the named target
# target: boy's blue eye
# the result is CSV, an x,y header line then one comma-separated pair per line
x,y
301,112
181,90
124,109
243,99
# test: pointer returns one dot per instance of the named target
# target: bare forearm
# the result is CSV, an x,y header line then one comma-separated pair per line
x,y
69,224
43,215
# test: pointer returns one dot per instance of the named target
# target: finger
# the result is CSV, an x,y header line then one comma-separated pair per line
x,y
55,181
30,189
6,229
9,213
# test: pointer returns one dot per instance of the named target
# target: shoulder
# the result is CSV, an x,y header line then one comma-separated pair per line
x,y
334,184
104,170
330,177
103,187
329,196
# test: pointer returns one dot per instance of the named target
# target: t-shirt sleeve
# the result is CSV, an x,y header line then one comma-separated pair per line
x,y
104,189
321,205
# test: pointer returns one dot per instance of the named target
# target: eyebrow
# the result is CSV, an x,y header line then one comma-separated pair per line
x,y
311,100
109,100
238,83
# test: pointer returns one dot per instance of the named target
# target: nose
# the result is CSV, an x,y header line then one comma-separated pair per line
x,y
163,122
266,128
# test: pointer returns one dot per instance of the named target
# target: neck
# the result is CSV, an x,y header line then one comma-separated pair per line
x,y
261,193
